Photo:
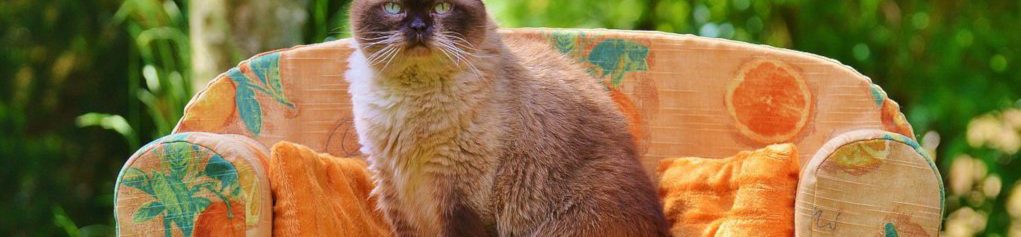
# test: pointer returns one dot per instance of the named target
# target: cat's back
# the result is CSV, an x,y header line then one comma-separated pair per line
x,y
546,67
568,143
559,98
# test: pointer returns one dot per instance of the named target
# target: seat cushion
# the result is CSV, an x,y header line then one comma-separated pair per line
x,y
320,195
749,194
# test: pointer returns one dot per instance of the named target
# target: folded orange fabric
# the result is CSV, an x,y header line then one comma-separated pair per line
x,y
320,195
750,194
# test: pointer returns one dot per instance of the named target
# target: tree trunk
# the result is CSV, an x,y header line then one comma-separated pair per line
x,y
223,32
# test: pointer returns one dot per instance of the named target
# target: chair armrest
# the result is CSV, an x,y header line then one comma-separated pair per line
x,y
869,183
195,184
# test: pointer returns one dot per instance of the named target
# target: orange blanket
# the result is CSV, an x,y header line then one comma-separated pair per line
x,y
750,194
320,195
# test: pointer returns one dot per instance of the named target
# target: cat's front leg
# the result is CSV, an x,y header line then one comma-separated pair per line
x,y
399,225
459,218
387,204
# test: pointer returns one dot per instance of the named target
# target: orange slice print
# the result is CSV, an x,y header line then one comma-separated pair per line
x,y
859,158
213,111
894,120
769,101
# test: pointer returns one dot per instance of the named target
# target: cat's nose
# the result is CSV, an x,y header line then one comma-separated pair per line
x,y
418,24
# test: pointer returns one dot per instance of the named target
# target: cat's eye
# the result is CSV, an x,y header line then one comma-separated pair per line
x,y
442,8
392,8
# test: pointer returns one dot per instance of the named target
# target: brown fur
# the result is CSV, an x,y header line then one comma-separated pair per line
x,y
514,140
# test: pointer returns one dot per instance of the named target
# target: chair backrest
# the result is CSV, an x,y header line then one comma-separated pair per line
x,y
684,95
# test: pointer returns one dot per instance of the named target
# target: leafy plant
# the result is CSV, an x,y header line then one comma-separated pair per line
x,y
111,122
161,56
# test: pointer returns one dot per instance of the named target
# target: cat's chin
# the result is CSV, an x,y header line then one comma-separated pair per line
x,y
418,52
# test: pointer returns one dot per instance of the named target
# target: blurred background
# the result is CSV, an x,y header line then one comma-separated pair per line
x,y
83,83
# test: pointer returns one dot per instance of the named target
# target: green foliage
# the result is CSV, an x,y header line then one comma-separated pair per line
x,y
111,122
120,69
159,30
328,20
59,59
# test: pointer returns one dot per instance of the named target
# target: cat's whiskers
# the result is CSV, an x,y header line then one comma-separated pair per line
x,y
380,34
447,54
393,55
442,45
452,45
456,49
459,40
385,40
387,50
454,39
447,47
464,44
390,56
379,38
389,41
378,42
372,57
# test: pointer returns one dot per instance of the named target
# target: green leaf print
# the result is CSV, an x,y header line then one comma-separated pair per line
x,y
267,72
565,42
249,108
615,57
878,95
891,231
181,206
177,156
267,69
148,211
222,170
136,178
263,65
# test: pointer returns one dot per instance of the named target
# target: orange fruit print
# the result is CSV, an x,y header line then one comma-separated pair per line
x,y
215,221
894,121
214,111
769,101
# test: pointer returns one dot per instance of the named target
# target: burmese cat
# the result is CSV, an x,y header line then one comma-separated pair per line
x,y
468,134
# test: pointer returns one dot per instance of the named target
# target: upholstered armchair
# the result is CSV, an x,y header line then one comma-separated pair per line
x,y
863,173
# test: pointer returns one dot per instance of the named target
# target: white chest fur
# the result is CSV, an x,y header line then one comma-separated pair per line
x,y
416,129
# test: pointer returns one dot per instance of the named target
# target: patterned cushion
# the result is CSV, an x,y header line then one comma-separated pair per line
x,y
870,183
195,184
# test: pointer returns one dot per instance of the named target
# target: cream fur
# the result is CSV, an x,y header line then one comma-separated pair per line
x,y
409,135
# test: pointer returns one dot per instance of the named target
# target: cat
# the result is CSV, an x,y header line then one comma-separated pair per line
x,y
471,134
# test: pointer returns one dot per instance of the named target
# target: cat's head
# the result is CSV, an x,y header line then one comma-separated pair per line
x,y
408,31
